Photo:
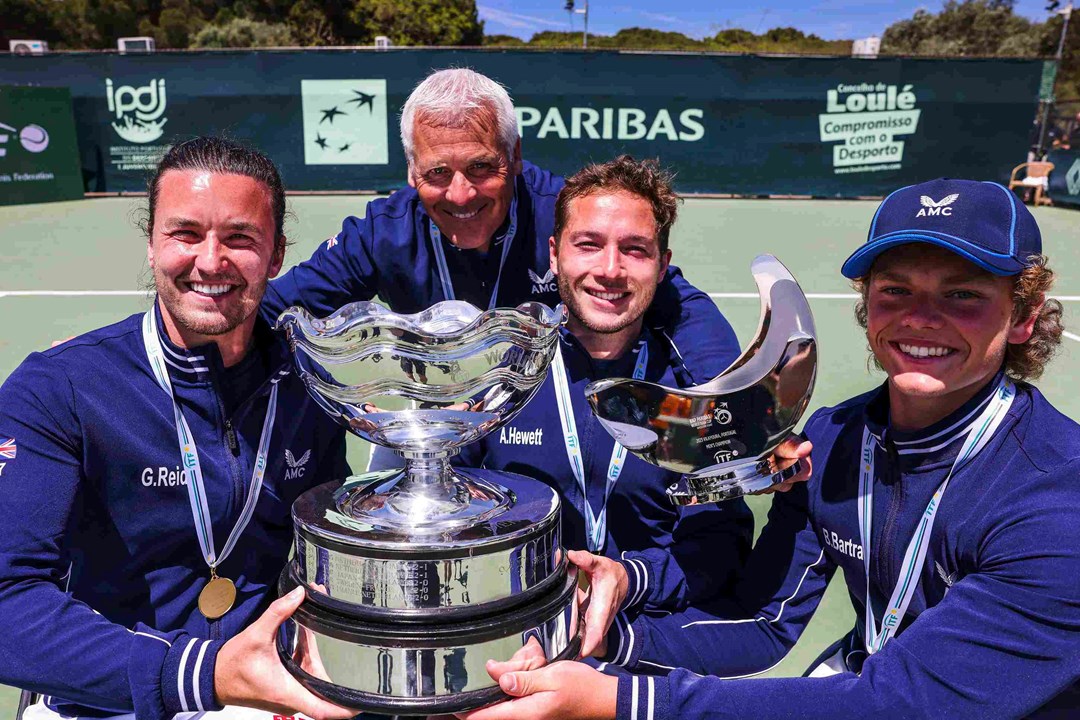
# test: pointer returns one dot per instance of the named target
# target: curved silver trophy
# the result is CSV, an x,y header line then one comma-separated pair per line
x,y
721,435
415,577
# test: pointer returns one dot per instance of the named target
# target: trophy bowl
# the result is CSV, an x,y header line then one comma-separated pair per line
x,y
722,435
415,576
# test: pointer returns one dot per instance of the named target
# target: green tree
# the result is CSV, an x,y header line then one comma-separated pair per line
x,y
503,41
244,33
420,22
971,27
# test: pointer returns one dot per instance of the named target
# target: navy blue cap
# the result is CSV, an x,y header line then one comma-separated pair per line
x,y
981,221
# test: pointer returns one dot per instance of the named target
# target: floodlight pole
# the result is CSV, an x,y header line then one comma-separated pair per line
x,y
1067,12
585,37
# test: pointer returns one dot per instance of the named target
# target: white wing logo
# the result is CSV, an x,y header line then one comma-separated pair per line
x,y
293,462
929,202
548,277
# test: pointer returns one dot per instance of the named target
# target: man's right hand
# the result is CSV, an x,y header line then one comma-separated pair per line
x,y
607,590
249,673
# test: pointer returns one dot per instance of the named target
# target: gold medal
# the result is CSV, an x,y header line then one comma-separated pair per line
x,y
217,597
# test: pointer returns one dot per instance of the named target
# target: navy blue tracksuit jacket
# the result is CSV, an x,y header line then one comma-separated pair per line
x,y
993,629
100,568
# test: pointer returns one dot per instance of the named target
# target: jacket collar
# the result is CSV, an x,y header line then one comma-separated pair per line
x,y
929,447
203,363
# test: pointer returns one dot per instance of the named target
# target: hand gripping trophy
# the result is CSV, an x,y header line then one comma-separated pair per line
x,y
416,577
722,434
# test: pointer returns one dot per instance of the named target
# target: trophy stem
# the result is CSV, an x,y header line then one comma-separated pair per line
x,y
427,494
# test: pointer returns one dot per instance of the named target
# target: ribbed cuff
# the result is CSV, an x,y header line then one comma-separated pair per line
x,y
624,642
642,697
637,576
187,677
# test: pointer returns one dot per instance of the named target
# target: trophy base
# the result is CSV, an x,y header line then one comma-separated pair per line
x,y
423,574
727,483
420,669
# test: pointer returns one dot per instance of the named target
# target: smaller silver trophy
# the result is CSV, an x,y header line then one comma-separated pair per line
x,y
415,577
722,435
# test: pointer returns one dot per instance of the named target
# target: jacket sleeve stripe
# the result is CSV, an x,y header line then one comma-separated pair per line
x,y
155,637
779,613
181,673
196,674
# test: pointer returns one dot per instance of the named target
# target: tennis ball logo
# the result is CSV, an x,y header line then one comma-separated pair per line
x,y
34,138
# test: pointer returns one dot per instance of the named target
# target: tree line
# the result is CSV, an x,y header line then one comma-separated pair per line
x,y
961,28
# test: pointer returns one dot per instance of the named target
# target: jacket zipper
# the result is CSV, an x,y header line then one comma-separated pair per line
x,y
885,555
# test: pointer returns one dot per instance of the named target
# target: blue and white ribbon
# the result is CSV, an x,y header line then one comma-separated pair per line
x,y
444,270
595,523
978,435
189,456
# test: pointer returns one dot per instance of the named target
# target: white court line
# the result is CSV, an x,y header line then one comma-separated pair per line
x,y
846,296
1071,336
72,293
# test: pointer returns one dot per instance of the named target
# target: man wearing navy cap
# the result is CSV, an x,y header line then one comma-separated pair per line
x,y
949,496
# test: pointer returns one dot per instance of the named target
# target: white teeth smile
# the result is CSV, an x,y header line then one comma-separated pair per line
x,y
210,289
920,351
463,215
607,295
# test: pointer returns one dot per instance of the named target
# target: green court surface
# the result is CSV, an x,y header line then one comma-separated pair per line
x,y
69,267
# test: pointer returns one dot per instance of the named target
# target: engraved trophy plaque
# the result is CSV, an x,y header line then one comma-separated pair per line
x,y
721,435
416,576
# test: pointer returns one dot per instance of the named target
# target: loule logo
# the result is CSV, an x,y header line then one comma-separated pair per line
x,y
543,284
867,118
139,111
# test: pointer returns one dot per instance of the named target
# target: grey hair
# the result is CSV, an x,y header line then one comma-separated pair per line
x,y
454,96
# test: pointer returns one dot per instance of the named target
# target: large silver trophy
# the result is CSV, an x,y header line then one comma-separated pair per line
x,y
415,577
721,435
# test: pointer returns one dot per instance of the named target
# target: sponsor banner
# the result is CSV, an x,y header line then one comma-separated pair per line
x,y
39,158
1065,178
834,127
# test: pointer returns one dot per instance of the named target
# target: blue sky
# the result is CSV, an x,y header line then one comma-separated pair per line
x,y
830,19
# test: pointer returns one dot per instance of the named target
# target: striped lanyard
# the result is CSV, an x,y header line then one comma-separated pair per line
x,y
444,270
595,525
979,433
189,455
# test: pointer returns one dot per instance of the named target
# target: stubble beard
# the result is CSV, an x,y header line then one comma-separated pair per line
x,y
640,303
229,316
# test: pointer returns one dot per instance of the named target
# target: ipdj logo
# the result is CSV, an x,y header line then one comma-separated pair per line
x,y
139,111
936,207
33,138
543,284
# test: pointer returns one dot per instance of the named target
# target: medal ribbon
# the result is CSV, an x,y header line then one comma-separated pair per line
x,y
979,433
595,524
444,270
189,455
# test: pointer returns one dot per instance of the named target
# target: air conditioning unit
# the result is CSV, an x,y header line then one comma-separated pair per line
x,y
136,44
382,42
28,47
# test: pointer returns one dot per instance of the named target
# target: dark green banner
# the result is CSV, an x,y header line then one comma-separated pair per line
x,y
835,127
38,153
1065,178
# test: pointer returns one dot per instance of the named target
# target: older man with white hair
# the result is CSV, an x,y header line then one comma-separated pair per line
x,y
474,225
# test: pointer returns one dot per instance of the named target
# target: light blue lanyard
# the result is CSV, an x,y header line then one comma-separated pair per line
x,y
595,524
189,455
444,270
979,433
